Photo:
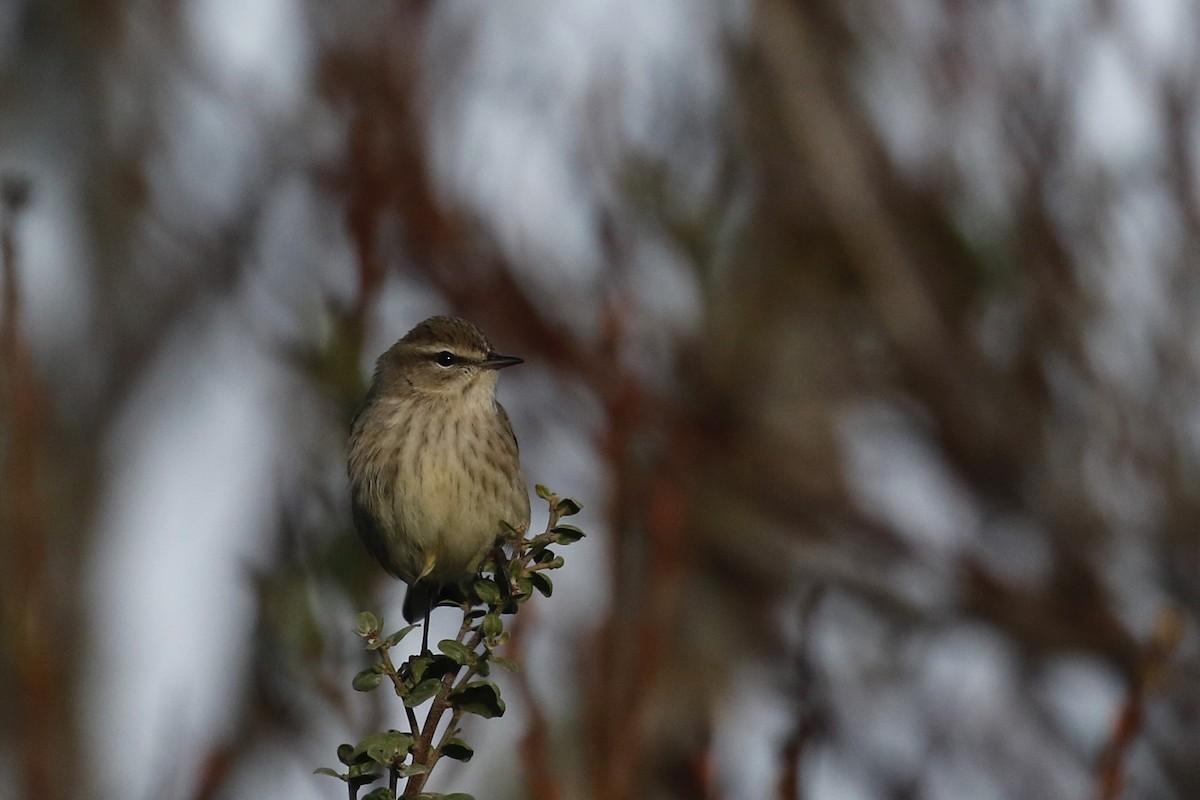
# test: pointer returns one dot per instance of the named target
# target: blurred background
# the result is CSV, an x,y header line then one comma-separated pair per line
x,y
868,334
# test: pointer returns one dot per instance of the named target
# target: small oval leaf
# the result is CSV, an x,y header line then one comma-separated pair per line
x,y
492,625
457,651
488,592
423,691
503,663
388,748
366,624
566,534
567,507
395,638
408,770
436,666
456,749
366,680
542,583
361,775
515,570
479,697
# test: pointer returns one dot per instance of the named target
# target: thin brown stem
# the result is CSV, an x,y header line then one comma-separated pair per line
x,y
424,753
543,783
413,725
27,596
390,670
1165,638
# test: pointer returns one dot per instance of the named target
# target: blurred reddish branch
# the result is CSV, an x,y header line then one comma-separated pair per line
x,y
31,612
537,750
1164,639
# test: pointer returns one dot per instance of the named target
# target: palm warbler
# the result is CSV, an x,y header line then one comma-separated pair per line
x,y
433,462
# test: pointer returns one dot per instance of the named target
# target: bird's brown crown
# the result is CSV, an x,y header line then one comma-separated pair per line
x,y
450,333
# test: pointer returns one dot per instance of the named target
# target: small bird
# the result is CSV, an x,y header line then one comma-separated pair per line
x,y
433,463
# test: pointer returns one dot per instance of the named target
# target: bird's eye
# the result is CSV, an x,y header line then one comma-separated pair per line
x,y
444,359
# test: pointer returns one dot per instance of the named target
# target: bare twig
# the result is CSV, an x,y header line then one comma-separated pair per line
x,y
29,602
543,783
1168,631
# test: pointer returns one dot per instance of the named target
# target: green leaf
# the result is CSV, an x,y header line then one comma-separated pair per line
x,y
388,748
456,651
362,774
345,754
367,624
566,534
515,570
539,541
382,793
567,507
456,749
408,770
333,773
543,492
394,639
366,680
488,592
542,583
492,626
423,691
428,665
479,697
413,670
503,663
441,666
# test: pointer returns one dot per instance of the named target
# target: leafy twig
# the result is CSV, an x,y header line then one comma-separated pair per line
x,y
455,679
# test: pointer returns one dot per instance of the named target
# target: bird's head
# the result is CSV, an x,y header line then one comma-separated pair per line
x,y
443,356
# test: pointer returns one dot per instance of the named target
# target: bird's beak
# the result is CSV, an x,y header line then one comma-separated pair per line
x,y
497,361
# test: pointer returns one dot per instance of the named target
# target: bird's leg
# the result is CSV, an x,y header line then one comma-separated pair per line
x,y
425,630
429,600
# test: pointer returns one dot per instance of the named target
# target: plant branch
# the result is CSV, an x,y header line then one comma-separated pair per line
x,y
454,680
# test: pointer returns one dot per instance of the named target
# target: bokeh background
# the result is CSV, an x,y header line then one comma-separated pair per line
x,y
868,333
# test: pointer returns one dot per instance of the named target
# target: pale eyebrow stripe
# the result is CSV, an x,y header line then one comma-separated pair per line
x,y
454,350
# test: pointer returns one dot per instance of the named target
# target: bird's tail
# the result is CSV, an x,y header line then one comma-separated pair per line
x,y
424,596
420,598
